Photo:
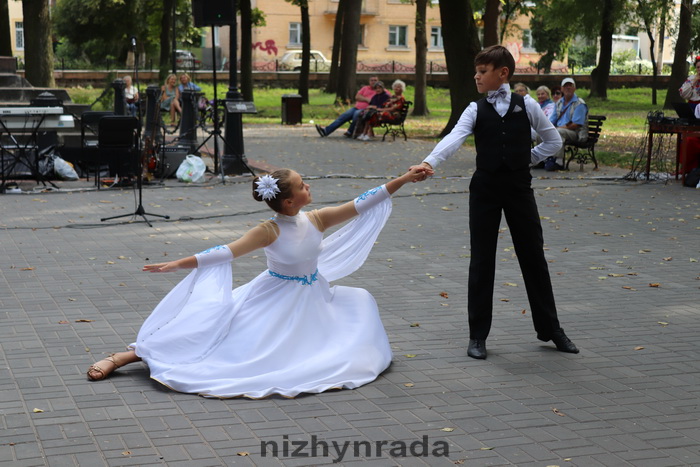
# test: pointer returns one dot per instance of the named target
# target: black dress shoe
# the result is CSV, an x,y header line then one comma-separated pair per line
x,y
321,131
562,342
477,349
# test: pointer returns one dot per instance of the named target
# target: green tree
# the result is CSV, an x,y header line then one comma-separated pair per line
x,y
652,14
332,85
5,32
550,38
420,102
38,59
461,41
679,69
350,38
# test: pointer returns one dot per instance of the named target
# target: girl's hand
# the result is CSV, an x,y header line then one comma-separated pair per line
x,y
161,267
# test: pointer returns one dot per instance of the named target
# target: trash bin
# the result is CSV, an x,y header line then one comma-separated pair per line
x,y
291,109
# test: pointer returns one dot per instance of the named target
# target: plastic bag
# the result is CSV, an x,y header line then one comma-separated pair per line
x,y
63,169
191,170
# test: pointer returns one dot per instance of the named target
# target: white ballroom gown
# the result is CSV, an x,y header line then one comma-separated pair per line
x,y
285,332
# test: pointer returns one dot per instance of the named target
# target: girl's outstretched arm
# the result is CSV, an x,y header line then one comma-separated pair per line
x,y
255,238
335,215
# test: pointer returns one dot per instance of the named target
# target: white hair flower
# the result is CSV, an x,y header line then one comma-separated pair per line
x,y
267,187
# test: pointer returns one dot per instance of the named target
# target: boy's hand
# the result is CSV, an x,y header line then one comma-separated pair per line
x,y
425,171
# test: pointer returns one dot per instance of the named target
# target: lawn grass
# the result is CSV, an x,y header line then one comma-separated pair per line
x,y
626,111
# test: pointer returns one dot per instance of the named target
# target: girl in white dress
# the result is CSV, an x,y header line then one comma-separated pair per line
x,y
285,332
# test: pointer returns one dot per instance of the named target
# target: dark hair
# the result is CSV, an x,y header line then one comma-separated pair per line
x,y
556,89
378,84
284,185
498,56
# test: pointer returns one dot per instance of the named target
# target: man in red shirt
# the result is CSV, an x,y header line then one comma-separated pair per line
x,y
362,98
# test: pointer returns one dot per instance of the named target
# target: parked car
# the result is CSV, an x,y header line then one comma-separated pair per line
x,y
184,59
292,61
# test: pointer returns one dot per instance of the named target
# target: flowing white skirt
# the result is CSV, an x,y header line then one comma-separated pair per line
x,y
269,336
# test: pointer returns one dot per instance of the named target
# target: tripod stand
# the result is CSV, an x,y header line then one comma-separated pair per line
x,y
124,132
216,133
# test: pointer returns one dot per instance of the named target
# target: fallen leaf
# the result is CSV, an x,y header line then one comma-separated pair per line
x,y
63,322
110,262
614,274
639,347
71,299
415,325
409,385
662,323
558,412
243,453
510,284
654,284
447,429
409,355
444,295
83,321
126,453
505,299
524,311
445,208
121,257
485,449
668,258
37,411
628,287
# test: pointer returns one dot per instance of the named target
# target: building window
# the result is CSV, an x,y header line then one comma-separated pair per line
x,y
294,33
436,37
19,35
527,39
362,36
398,36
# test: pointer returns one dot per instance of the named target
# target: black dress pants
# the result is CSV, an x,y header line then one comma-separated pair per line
x,y
510,192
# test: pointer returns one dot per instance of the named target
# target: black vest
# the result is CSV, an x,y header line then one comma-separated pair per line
x,y
502,143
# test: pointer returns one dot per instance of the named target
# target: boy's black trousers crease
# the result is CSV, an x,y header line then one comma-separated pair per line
x,y
510,192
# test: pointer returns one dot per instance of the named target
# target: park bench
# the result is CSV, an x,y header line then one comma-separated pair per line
x,y
584,151
396,127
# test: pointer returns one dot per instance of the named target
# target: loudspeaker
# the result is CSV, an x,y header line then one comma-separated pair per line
x,y
172,158
212,13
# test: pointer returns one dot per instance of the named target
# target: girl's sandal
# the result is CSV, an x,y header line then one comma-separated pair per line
x,y
102,374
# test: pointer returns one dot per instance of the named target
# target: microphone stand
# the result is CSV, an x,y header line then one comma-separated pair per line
x,y
140,211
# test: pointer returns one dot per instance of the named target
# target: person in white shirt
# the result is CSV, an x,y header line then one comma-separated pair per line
x,y
501,124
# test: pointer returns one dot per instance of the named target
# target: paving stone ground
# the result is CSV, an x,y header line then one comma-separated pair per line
x,y
624,264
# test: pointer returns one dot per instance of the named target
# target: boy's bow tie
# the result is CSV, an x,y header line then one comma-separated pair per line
x,y
493,95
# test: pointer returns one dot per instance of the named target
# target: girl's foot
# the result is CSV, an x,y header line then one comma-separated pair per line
x,y
102,369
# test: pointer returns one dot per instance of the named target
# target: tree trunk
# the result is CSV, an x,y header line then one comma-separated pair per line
x,y
246,50
347,79
491,13
5,31
461,40
662,33
601,73
38,53
679,69
420,104
165,50
305,54
332,85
